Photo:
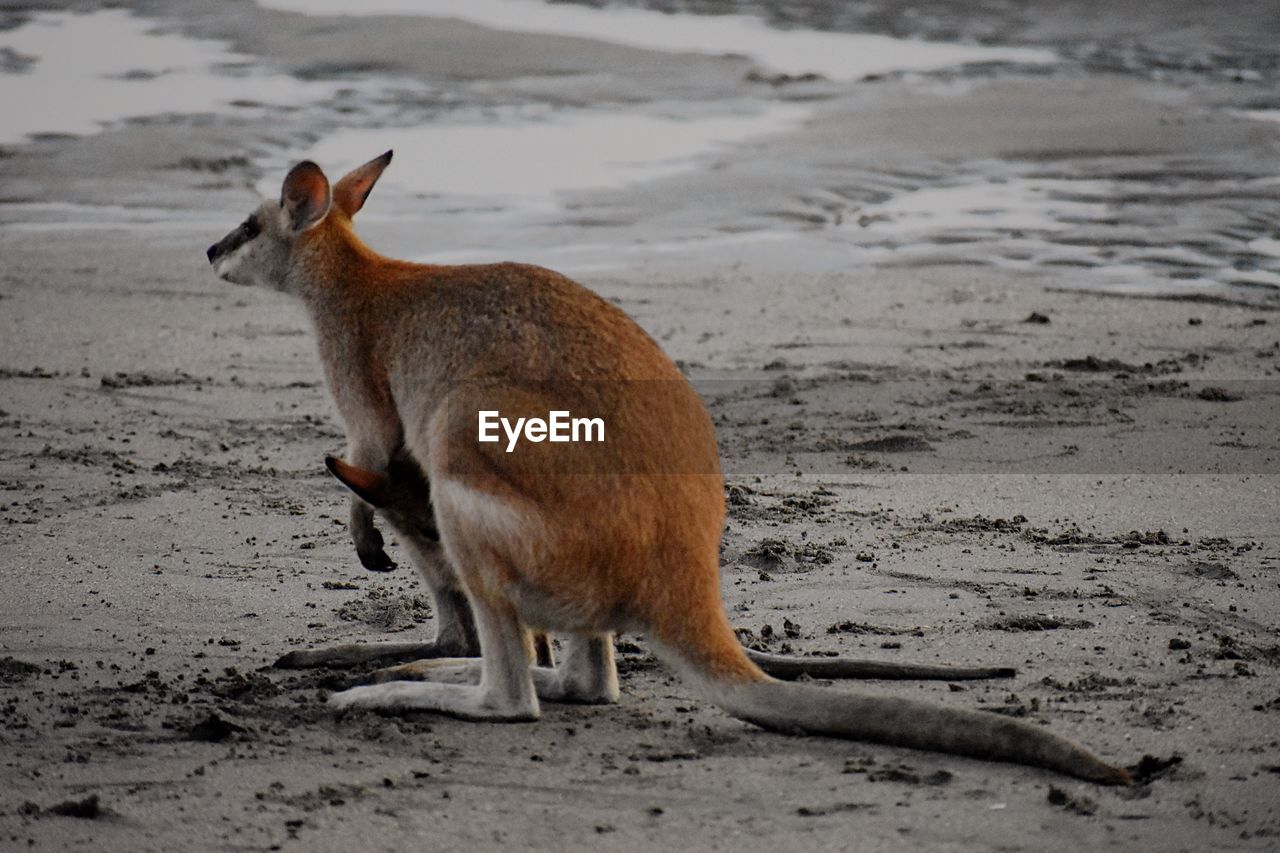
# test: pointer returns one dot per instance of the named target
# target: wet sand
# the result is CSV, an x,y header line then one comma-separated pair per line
x,y
1055,450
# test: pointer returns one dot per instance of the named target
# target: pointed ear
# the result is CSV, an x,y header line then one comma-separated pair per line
x,y
305,195
350,192
368,486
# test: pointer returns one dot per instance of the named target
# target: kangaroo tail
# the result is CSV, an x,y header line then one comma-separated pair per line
x,y
707,650
784,707
789,668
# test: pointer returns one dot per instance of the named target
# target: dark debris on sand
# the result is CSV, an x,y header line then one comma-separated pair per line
x,y
89,808
1150,768
215,729
13,670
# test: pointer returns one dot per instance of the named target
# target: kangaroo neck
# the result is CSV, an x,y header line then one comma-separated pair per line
x,y
332,268
346,289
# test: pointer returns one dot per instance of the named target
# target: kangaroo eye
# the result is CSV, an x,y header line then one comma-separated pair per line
x,y
251,228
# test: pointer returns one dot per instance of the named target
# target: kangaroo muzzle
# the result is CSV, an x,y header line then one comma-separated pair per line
x,y
242,234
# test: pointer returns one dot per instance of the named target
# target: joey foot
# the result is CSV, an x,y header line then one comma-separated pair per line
x,y
376,560
368,542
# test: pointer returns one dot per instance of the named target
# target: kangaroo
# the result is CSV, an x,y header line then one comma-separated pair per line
x,y
581,540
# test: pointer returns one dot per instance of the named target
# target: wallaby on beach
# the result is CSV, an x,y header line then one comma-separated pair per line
x,y
579,539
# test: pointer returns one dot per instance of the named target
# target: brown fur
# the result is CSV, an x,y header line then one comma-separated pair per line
x,y
576,539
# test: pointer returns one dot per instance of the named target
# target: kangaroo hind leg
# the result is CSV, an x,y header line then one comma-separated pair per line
x,y
586,674
505,691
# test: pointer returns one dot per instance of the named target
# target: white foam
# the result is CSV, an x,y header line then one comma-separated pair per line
x,y
839,56
527,161
100,67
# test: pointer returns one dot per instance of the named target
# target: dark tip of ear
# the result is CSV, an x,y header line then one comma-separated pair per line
x,y
386,158
331,463
304,166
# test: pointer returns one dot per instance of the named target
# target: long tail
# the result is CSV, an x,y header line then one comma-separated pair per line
x,y
789,668
707,650
785,707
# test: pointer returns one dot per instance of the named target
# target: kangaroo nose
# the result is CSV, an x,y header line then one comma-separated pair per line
x,y
212,252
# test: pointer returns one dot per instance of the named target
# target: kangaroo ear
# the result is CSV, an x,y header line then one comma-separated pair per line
x,y
305,195
350,192
369,486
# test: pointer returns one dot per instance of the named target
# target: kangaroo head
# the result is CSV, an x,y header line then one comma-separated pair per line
x,y
262,249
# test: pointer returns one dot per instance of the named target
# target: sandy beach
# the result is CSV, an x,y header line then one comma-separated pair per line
x,y
992,349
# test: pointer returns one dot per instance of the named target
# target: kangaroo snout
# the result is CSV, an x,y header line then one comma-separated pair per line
x,y
244,233
226,245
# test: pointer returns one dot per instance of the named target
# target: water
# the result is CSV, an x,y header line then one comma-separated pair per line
x,y
529,161
32,216
560,186
1109,229
839,56
1015,204
80,72
1115,226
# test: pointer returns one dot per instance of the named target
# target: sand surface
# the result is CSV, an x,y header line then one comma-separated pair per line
x,y
946,438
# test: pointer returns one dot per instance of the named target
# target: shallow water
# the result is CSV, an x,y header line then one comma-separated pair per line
x,y
1105,228
79,72
1127,224
70,217
839,56
1260,115
1015,204
571,187
527,159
